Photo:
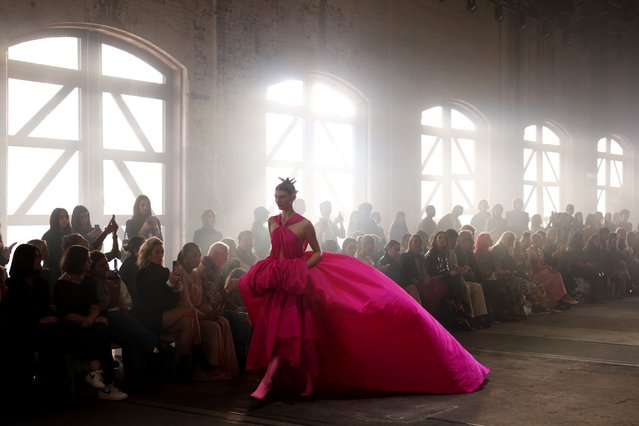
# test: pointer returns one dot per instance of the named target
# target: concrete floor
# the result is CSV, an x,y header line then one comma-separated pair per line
x,y
577,367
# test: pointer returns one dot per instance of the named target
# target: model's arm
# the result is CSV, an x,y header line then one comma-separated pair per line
x,y
309,235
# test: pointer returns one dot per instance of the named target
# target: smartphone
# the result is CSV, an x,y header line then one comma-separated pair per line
x,y
175,265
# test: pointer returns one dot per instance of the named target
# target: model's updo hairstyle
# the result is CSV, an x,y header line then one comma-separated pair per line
x,y
287,185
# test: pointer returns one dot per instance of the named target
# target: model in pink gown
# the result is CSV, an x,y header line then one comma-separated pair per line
x,y
348,325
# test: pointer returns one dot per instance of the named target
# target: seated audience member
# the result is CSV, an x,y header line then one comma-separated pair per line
x,y
351,229
475,303
536,223
517,218
45,273
437,267
594,256
470,228
58,227
552,248
143,222
615,265
87,331
81,224
261,235
390,264
377,218
366,250
129,269
31,327
349,247
466,259
215,331
428,224
398,228
497,224
137,341
403,245
504,294
544,274
327,228
161,305
217,296
207,234
480,219
414,265
245,252
451,220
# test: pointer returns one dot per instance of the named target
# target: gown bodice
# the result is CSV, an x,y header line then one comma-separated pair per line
x,y
285,244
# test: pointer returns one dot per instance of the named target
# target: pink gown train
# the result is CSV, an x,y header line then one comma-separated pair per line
x,y
348,324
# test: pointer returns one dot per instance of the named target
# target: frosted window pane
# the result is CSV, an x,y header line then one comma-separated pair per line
x,y
530,173
278,127
551,167
432,117
551,200
335,187
118,198
462,160
116,131
62,122
150,179
601,200
27,167
601,145
119,63
149,114
549,137
432,194
433,164
463,193
460,121
59,52
288,92
333,144
329,101
616,174
62,191
23,234
615,148
601,172
530,134
26,98
530,199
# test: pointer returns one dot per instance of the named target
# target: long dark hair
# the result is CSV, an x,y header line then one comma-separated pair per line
x,y
75,219
136,208
54,223
22,263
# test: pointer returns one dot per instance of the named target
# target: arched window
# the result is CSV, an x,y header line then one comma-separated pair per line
x,y
450,150
542,170
92,119
609,174
315,132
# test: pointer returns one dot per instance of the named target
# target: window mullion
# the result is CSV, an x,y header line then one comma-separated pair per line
x,y
92,173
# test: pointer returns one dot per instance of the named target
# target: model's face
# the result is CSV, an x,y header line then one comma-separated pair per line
x,y
284,200
144,208
157,254
63,220
192,258
100,267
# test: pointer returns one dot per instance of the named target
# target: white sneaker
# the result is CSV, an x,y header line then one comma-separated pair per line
x,y
112,393
94,378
